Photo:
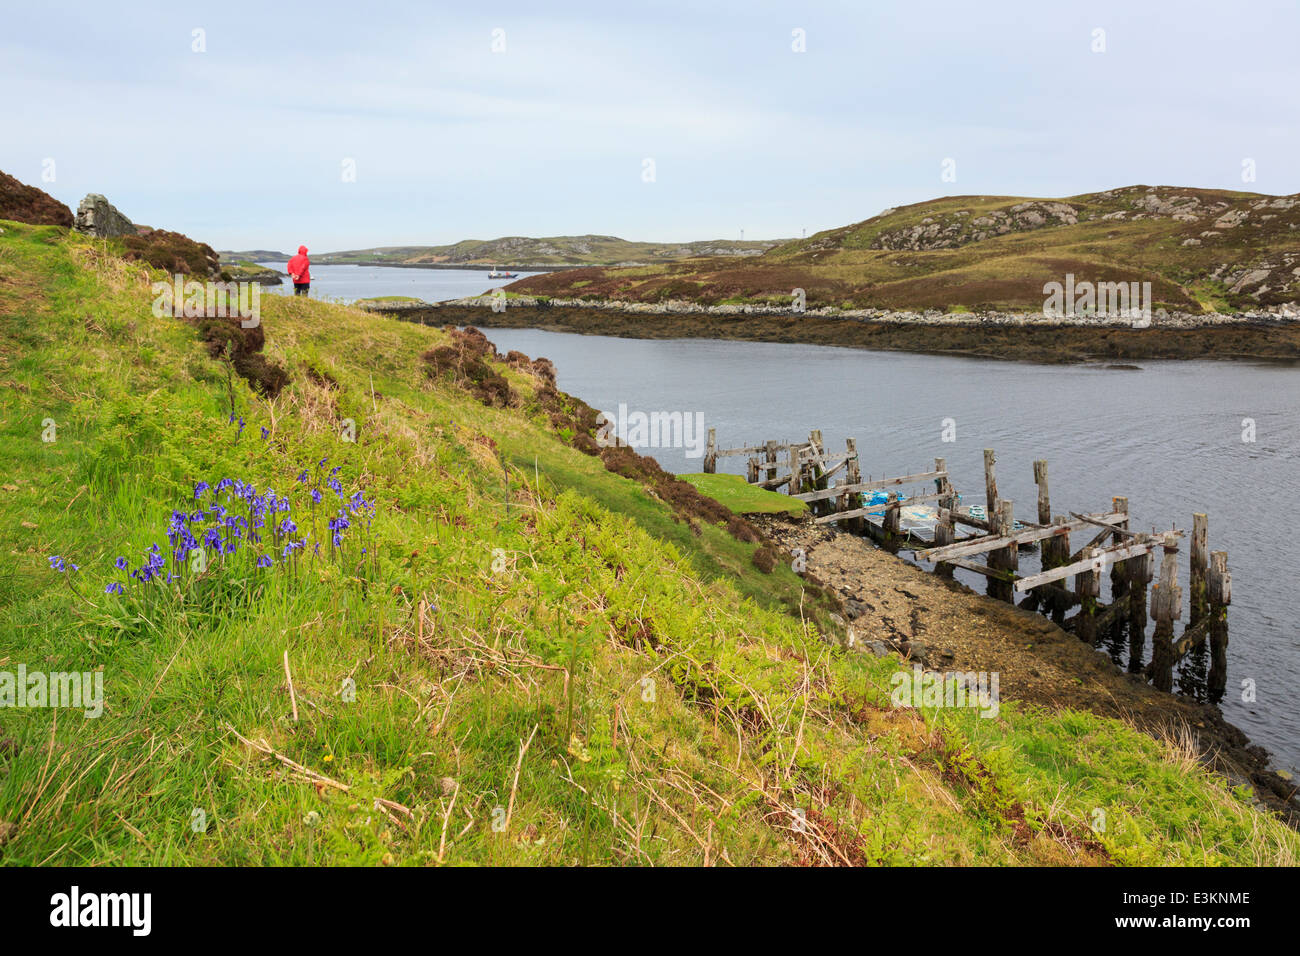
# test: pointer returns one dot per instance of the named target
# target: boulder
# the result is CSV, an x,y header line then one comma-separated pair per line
x,y
23,203
97,217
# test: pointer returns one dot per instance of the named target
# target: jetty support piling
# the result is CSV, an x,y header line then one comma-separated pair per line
x,y
1140,570
1166,607
1118,573
1198,580
1087,587
1220,596
943,529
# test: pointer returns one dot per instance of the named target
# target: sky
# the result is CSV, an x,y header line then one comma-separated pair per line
x,y
347,125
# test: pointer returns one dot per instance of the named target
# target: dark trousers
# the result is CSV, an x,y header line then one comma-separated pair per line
x,y
300,288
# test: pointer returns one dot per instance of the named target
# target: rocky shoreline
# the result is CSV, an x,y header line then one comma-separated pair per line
x,y
896,608
1266,334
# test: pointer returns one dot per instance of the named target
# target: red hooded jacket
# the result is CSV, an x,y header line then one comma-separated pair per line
x,y
299,267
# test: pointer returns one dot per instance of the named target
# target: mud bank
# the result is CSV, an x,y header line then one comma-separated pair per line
x,y
1034,342
894,607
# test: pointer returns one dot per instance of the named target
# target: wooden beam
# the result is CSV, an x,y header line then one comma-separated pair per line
x,y
1099,558
871,485
988,572
1111,529
992,543
877,509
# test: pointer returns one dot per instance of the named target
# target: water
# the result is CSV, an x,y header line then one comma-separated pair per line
x,y
348,283
1168,436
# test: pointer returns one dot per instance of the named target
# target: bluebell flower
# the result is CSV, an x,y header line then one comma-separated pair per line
x,y
120,564
266,433
56,562
113,588
315,495
302,478
264,561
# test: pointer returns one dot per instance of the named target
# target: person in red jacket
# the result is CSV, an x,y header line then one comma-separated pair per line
x,y
299,270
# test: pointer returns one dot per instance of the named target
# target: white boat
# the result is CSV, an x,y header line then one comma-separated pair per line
x,y
496,274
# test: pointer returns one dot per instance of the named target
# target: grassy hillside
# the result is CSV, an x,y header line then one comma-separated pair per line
x,y
1201,249
502,652
553,251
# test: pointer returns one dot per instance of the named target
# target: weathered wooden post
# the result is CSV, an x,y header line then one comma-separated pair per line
x,y
711,453
1118,573
990,486
892,524
1087,586
853,476
943,529
1220,596
771,459
1041,597
1140,570
1200,564
751,470
1008,558
1166,607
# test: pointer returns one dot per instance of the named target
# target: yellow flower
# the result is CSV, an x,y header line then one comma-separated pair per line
x,y
329,757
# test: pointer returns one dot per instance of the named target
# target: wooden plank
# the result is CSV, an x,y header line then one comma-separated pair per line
x,y
1100,558
1191,637
984,569
1113,614
877,509
871,485
961,518
756,449
992,543
1111,529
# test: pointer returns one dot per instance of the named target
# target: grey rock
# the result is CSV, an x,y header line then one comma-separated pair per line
x,y
97,217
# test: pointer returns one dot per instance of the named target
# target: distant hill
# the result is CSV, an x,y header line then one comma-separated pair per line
x,y
553,251
1201,249
254,255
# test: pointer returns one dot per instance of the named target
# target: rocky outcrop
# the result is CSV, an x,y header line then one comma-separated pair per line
x,y
950,230
22,203
98,217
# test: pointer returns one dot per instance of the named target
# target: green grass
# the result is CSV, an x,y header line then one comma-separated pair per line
x,y
592,680
390,299
742,497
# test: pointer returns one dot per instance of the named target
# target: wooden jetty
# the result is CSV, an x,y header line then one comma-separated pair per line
x,y
805,470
